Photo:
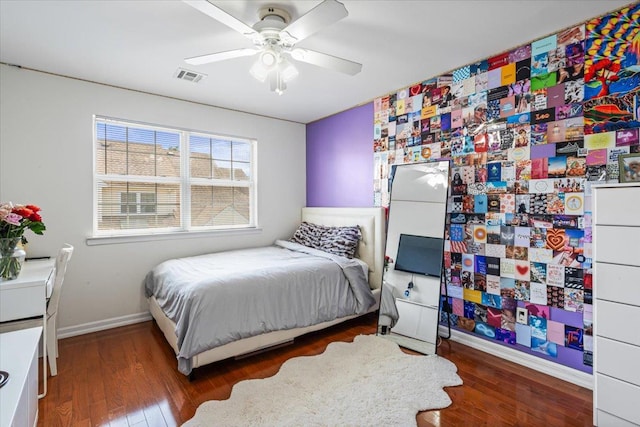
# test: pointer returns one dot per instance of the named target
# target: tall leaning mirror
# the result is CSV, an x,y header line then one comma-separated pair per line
x,y
410,299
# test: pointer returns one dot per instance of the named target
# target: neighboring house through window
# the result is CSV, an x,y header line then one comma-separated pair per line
x,y
151,179
138,203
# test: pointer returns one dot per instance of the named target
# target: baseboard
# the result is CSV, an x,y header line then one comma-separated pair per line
x,y
556,370
101,325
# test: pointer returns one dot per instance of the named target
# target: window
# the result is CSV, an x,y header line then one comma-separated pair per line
x,y
131,203
150,179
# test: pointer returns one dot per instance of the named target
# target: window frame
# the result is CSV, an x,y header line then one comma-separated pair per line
x,y
184,182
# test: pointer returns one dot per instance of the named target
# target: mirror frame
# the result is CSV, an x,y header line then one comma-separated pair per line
x,y
417,191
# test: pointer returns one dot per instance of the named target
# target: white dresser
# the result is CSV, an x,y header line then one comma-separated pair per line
x,y
616,269
19,396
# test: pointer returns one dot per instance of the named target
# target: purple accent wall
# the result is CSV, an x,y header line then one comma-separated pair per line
x,y
340,159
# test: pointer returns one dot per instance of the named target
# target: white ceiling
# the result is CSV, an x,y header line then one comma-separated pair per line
x,y
139,44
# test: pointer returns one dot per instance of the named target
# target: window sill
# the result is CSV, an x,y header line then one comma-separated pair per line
x,y
135,238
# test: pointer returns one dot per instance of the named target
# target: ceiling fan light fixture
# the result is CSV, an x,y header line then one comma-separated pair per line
x,y
268,62
259,71
287,70
269,58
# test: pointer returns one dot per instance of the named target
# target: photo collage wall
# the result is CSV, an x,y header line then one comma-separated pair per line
x,y
527,133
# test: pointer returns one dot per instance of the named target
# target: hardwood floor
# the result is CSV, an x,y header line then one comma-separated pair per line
x,y
127,377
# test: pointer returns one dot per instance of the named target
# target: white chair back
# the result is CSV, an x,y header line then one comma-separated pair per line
x,y
64,255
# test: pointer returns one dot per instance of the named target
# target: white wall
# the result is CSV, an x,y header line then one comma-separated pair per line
x,y
46,159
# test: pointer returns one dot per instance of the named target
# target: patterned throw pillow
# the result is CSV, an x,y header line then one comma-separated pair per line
x,y
308,234
341,241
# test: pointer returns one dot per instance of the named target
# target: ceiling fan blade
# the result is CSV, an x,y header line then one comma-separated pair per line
x,y
220,56
324,14
326,61
220,15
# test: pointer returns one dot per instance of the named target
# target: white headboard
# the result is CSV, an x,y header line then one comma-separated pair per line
x,y
372,226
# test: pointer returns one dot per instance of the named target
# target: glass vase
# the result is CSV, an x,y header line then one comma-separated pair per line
x,y
11,258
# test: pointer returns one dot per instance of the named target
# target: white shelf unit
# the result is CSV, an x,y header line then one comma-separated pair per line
x,y
416,320
616,269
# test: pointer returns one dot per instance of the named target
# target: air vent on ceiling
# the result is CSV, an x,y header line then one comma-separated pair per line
x,y
190,76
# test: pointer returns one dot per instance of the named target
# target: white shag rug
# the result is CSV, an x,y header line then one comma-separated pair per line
x,y
364,383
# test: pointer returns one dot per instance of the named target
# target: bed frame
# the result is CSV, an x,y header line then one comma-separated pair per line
x,y
370,250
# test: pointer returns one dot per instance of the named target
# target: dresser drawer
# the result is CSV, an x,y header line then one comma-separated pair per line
x,y
618,398
619,245
620,283
611,205
617,321
22,302
618,360
608,420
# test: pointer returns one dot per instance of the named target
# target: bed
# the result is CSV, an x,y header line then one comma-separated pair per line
x,y
177,316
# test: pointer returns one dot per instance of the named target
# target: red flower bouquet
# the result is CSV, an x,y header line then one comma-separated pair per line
x,y
14,221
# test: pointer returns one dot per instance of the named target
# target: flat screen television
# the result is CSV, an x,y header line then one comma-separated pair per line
x,y
419,255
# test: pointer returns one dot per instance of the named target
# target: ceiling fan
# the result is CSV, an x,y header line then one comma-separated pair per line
x,y
275,38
